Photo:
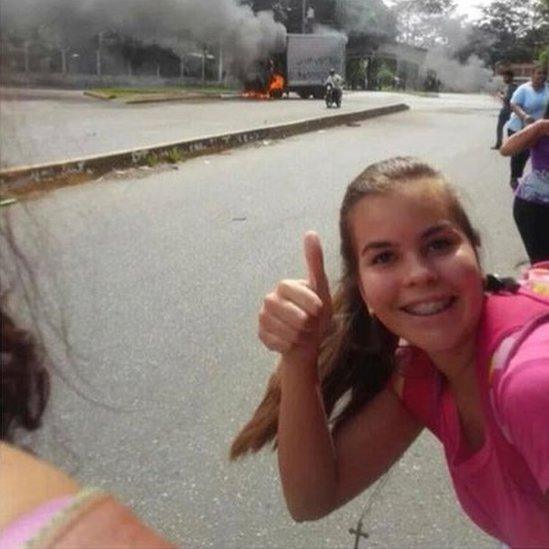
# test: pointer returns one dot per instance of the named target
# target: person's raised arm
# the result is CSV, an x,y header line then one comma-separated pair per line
x,y
320,472
525,138
306,455
516,104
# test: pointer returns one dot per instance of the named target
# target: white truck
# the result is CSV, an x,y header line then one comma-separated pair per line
x,y
309,58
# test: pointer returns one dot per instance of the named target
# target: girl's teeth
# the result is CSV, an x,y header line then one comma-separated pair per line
x,y
428,308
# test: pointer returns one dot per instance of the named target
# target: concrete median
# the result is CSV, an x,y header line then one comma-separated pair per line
x,y
17,180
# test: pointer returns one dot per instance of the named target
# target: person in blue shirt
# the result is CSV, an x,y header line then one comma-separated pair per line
x,y
528,105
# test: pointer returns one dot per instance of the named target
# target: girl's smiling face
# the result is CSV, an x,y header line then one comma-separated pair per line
x,y
417,271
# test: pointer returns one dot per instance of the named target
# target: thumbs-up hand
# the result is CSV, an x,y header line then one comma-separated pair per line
x,y
295,316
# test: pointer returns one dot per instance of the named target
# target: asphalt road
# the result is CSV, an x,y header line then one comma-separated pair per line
x,y
42,126
154,278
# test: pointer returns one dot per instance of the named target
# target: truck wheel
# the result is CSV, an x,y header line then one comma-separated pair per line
x,y
304,94
318,94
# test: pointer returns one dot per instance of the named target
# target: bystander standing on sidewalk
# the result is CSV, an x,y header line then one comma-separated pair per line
x,y
504,95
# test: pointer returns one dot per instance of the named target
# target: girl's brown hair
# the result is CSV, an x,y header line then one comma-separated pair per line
x,y
24,373
357,357
24,380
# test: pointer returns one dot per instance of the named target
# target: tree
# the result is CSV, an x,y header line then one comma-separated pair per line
x,y
362,18
543,58
425,23
518,31
354,17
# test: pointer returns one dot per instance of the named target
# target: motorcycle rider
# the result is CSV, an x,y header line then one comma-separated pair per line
x,y
336,81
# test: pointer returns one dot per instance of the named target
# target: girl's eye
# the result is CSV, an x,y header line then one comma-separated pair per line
x,y
382,258
440,244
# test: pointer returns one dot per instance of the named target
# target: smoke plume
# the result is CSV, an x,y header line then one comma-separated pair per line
x,y
244,36
471,76
365,17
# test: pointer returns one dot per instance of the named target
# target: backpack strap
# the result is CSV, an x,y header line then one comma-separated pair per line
x,y
501,359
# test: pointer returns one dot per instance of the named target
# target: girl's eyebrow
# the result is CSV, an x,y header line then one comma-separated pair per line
x,y
435,229
439,227
375,245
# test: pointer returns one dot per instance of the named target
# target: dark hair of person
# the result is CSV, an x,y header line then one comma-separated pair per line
x,y
24,376
357,357
508,73
26,366
540,66
24,380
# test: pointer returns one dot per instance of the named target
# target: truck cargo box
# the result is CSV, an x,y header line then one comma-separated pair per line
x,y
309,60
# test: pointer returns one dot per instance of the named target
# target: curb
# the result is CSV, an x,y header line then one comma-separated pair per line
x,y
83,169
99,95
160,98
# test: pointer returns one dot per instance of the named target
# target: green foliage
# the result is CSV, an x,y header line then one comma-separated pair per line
x,y
152,159
173,156
371,18
355,73
425,23
543,58
385,76
518,30
427,7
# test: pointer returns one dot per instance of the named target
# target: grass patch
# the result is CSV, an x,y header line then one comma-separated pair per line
x,y
152,159
125,93
174,156
170,156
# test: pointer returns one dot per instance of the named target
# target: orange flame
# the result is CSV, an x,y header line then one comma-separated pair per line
x,y
273,89
276,84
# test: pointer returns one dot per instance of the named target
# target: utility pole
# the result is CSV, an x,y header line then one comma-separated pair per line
x,y
220,66
27,64
204,52
98,54
307,17
64,61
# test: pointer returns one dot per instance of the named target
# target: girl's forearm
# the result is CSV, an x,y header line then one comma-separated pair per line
x,y
521,140
306,454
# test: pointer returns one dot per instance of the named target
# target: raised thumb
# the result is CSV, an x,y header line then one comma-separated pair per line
x,y
315,266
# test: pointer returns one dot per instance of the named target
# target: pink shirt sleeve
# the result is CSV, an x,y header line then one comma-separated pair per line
x,y
18,533
524,402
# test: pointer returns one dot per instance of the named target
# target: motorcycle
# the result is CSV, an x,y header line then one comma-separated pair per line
x,y
332,96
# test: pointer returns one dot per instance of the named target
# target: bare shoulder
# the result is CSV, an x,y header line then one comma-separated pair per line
x,y
26,482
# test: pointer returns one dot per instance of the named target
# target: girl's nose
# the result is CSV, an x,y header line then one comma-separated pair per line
x,y
419,272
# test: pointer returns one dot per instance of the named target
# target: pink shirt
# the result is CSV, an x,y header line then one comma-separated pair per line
x,y
24,528
501,486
